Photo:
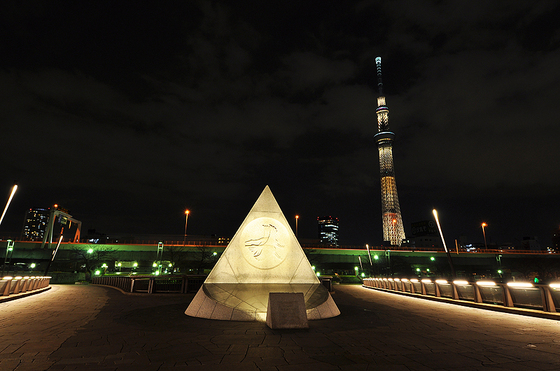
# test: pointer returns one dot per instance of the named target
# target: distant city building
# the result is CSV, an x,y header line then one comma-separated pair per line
x,y
393,229
556,240
425,234
35,224
328,230
530,243
43,224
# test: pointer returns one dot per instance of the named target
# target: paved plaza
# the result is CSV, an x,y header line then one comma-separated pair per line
x,y
81,327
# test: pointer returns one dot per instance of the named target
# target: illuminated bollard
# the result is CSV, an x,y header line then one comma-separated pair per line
x,y
5,286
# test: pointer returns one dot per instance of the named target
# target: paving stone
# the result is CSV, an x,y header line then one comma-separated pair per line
x,y
99,328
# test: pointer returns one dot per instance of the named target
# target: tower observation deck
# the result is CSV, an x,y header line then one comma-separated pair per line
x,y
393,229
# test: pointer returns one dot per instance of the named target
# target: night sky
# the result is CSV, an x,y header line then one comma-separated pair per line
x,y
128,113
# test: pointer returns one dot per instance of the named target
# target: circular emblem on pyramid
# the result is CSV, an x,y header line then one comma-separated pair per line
x,y
265,241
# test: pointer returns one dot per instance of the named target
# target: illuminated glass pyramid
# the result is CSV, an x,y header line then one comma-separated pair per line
x,y
264,256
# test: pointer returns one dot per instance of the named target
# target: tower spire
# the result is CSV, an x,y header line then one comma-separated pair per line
x,y
379,77
393,229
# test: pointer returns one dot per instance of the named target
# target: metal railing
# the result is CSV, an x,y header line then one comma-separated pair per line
x,y
512,294
153,284
19,285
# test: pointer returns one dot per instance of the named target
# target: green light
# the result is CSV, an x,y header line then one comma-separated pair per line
x,y
536,280
427,270
154,265
313,267
356,269
499,271
90,251
214,253
156,273
432,258
363,274
170,265
417,269
119,264
375,257
97,272
104,265
135,264
318,274
32,265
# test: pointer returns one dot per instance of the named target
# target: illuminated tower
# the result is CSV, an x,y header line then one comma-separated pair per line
x,y
393,230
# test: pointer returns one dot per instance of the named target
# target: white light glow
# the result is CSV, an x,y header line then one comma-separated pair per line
x,y
519,284
426,280
486,283
442,282
461,282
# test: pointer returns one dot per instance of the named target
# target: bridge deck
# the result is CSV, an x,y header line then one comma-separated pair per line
x,y
99,328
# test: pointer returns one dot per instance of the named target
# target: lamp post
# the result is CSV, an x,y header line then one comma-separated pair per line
x,y
14,189
434,211
484,234
187,212
297,219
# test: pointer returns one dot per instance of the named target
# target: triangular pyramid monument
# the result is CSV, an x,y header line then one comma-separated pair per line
x,y
264,256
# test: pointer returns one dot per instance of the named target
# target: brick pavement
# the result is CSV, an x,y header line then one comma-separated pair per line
x,y
99,328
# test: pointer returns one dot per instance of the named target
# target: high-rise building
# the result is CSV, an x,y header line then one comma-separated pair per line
x,y
35,224
393,229
328,230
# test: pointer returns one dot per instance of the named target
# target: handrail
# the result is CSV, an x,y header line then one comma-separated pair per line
x,y
18,285
511,294
153,284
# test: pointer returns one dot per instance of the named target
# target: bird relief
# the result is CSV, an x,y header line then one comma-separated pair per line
x,y
266,246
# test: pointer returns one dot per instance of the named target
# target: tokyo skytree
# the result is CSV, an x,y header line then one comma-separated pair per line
x,y
393,229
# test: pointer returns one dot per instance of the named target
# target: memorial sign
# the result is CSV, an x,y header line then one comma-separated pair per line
x,y
286,310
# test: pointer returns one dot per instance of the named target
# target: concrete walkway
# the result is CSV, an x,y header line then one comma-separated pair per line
x,y
99,328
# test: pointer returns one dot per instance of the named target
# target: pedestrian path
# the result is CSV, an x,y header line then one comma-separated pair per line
x,y
77,327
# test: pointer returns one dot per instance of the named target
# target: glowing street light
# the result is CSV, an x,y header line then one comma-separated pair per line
x,y
14,189
187,212
297,219
434,211
484,234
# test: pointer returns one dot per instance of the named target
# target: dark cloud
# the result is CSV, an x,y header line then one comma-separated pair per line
x,y
127,115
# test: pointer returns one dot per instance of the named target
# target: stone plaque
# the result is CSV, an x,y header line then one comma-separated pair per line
x,y
286,310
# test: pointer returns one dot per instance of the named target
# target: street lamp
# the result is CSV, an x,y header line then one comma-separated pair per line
x,y
187,212
297,218
484,234
434,211
14,189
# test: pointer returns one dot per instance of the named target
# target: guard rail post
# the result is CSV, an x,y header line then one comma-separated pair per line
x,y
548,302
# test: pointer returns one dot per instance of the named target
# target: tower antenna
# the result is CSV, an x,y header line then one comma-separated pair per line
x,y
379,77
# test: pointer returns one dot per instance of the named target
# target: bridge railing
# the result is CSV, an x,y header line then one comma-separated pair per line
x,y
512,294
180,284
18,285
